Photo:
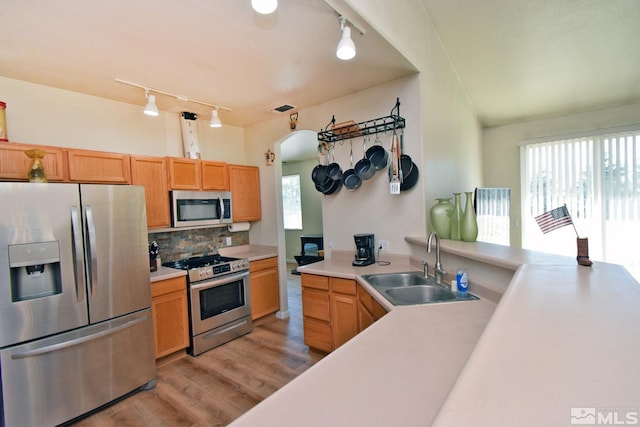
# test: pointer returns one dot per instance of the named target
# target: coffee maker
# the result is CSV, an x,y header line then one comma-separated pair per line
x,y
365,250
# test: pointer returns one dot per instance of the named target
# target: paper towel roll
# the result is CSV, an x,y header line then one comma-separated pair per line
x,y
239,226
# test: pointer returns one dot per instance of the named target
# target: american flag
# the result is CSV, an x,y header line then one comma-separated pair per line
x,y
555,218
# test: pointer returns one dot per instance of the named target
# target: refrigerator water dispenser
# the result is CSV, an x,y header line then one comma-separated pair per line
x,y
35,270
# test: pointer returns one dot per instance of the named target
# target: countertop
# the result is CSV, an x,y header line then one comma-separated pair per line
x,y
253,252
164,273
397,360
563,338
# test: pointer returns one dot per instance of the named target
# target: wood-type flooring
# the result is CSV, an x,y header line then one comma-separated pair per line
x,y
218,386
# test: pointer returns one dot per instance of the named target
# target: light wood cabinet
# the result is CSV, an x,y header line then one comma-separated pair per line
x,y
316,311
215,175
14,163
98,167
184,174
265,287
344,310
170,315
369,310
151,173
330,311
244,183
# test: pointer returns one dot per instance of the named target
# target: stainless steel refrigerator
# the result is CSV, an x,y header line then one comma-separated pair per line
x,y
75,321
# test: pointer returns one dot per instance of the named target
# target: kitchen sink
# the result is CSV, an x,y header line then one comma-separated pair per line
x,y
413,288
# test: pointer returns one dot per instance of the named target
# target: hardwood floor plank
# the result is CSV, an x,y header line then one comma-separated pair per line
x,y
219,385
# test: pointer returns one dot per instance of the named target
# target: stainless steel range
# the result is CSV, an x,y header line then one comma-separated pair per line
x,y
219,300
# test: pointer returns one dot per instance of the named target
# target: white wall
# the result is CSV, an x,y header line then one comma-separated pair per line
x,y
370,208
38,114
502,155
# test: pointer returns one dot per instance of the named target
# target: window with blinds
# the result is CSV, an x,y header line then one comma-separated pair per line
x,y
493,210
598,178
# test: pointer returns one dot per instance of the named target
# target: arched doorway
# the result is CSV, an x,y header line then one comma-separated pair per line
x,y
298,156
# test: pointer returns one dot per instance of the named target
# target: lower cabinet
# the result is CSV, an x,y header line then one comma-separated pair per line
x,y
170,315
330,311
369,310
265,287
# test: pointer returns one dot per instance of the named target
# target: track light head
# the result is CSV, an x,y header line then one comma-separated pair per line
x,y
346,48
264,7
215,120
150,109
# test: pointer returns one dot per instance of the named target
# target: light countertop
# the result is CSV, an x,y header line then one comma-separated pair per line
x,y
563,336
253,252
165,273
397,360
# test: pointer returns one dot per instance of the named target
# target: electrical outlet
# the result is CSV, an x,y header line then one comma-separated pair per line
x,y
229,242
383,245
330,242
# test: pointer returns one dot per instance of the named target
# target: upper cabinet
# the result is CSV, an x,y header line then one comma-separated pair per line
x,y
244,183
14,163
215,175
184,174
151,173
98,167
192,174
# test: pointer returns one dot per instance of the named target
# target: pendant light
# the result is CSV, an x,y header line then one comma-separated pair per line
x,y
150,109
346,48
264,7
215,120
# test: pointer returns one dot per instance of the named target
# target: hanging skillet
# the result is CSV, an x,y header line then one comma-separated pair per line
x,y
409,169
350,178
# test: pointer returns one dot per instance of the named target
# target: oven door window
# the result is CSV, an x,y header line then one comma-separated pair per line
x,y
222,298
198,209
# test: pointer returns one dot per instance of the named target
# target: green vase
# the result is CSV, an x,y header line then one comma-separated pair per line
x,y
456,217
469,223
440,214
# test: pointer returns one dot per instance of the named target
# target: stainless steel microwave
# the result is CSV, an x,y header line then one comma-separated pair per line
x,y
200,208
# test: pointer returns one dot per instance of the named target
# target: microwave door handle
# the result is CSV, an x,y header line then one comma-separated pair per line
x,y
221,207
92,251
76,234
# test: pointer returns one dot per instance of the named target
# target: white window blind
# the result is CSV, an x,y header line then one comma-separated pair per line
x,y
598,178
493,211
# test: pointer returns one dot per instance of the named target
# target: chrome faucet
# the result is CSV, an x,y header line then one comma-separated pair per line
x,y
438,271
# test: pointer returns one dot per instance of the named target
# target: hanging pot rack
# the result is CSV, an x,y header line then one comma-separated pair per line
x,y
332,133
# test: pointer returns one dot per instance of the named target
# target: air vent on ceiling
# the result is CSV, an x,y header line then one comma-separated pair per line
x,y
282,108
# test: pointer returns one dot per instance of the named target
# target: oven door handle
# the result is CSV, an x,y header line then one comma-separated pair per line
x,y
221,281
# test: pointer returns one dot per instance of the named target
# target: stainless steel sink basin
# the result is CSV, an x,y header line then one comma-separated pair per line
x,y
412,288
420,294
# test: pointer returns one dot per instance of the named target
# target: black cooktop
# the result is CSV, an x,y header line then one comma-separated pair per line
x,y
199,261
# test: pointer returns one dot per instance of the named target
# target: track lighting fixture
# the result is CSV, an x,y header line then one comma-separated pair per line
x,y
346,48
215,120
264,7
152,110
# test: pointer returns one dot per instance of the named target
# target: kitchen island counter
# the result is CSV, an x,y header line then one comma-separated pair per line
x,y
563,338
398,361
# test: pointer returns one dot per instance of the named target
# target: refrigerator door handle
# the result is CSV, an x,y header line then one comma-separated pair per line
x,y
92,249
77,243
77,341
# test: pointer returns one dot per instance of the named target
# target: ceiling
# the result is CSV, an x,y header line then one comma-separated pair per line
x,y
516,59
525,59
219,52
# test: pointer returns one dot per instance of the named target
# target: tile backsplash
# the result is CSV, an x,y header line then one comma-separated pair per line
x,y
174,245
